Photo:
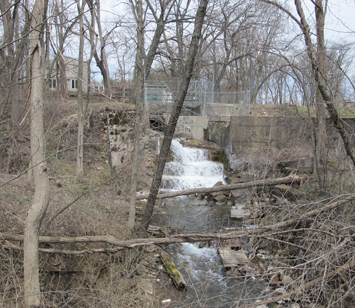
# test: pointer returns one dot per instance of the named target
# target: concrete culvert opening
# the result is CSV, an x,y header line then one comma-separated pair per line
x,y
157,124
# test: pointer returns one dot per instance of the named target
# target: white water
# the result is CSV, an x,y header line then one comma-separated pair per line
x,y
201,267
190,168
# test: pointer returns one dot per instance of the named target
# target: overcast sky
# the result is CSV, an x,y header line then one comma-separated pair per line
x,y
340,20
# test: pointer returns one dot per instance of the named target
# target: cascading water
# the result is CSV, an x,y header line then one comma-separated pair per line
x,y
190,168
200,266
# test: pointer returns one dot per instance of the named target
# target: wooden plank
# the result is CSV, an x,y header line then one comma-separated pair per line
x,y
232,258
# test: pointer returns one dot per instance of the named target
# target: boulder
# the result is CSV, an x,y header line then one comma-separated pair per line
x,y
238,193
240,213
275,280
220,198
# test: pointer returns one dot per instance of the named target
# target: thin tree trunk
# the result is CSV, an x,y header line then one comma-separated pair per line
x,y
102,61
138,82
12,59
80,149
41,182
170,128
92,51
321,152
317,73
61,72
160,26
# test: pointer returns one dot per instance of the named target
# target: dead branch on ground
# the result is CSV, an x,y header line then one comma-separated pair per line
x,y
181,238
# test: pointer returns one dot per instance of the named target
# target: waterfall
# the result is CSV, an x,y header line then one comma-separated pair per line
x,y
200,265
190,168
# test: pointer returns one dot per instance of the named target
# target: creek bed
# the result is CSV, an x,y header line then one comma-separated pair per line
x,y
207,282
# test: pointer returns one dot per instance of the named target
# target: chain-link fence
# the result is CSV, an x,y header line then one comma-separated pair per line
x,y
200,99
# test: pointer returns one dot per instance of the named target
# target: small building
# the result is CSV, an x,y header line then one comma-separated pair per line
x,y
71,76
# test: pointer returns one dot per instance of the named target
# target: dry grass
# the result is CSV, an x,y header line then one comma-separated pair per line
x,y
95,205
320,245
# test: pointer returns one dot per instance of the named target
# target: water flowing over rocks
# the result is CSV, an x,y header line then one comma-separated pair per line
x,y
261,258
255,258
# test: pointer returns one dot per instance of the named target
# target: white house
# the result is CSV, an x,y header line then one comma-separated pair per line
x,y
71,76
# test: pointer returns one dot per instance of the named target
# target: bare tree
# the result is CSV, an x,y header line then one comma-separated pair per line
x,y
92,40
63,26
101,61
41,195
12,51
160,18
170,129
318,68
142,71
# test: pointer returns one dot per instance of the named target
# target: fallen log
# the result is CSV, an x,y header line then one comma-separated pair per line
x,y
267,182
181,238
174,273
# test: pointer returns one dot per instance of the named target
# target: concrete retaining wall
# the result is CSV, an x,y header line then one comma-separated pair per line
x,y
245,134
191,127
253,132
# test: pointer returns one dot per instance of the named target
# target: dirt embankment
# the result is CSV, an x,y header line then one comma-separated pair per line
x,y
96,204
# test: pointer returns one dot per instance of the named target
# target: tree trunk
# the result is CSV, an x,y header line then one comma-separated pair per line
x,y
41,195
321,134
139,83
61,71
285,180
318,75
102,61
160,26
170,128
10,22
92,51
80,149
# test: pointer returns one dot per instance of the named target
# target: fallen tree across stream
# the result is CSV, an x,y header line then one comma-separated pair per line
x,y
176,238
266,182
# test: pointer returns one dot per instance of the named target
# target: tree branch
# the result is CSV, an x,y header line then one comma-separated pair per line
x,y
288,179
181,238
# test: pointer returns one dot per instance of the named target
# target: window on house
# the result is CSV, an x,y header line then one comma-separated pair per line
x,y
52,83
74,84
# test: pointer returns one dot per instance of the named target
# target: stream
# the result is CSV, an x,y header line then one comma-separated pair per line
x,y
208,285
